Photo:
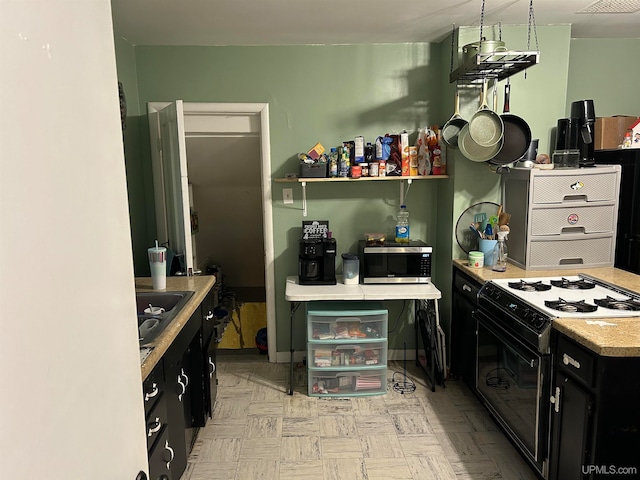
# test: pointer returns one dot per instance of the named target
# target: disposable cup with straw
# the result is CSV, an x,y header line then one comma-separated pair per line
x,y
158,265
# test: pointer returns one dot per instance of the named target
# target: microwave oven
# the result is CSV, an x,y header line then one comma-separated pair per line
x,y
395,262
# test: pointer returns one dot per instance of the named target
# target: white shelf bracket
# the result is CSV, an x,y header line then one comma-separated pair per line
x,y
402,190
304,199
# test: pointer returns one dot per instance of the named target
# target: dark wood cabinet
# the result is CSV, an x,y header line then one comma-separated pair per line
x,y
464,328
595,421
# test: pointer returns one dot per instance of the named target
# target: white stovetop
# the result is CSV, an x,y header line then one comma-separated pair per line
x,y
537,298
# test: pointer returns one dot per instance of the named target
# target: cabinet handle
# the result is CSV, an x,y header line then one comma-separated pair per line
x,y
167,447
567,360
213,367
184,387
156,427
209,315
152,393
186,379
466,288
556,400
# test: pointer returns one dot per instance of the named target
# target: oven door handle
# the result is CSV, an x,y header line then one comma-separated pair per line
x,y
508,340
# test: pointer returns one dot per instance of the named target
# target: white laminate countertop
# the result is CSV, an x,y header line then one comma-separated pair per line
x,y
609,337
295,292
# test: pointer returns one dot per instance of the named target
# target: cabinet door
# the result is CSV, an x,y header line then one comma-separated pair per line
x,y
463,354
210,376
570,428
161,457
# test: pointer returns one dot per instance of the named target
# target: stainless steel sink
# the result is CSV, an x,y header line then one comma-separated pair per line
x,y
150,325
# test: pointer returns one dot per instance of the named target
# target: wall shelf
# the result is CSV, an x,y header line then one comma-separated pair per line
x,y
356,180
304,181
495,65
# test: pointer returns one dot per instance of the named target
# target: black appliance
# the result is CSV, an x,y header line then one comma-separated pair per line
x,y
584,113
627,253
394,262
317,261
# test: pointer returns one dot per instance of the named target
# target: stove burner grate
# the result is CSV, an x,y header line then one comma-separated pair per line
x,y
579,306
573,285
614,304
530,286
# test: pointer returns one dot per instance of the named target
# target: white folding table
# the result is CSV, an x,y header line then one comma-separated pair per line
x,y
297,294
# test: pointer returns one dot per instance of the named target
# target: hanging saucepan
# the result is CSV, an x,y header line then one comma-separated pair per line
x,y
486,127
452,128
485,46
517,135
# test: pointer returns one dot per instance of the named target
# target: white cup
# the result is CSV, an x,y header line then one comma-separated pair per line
x,y
158,265
154,310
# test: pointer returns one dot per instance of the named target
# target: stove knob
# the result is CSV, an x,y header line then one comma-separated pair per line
x,y
513,307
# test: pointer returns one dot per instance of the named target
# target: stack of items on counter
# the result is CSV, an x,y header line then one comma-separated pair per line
x,y
390,155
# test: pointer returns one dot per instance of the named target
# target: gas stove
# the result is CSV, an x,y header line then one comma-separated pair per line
x,y
578,296
526,307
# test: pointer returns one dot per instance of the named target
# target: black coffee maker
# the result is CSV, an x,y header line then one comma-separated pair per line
x,y
317,261
577,132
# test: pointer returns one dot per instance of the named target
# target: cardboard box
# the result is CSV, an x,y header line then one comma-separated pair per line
x,y
610,131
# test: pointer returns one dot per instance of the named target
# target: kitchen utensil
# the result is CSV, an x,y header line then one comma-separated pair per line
x,y
486,127
485,46
467,239
452,128
473,228
473,151
516,134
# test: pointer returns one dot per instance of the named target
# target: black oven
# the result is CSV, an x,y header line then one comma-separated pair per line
x,y
513,375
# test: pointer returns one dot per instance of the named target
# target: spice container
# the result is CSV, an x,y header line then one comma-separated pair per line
x,y
356,171
365,169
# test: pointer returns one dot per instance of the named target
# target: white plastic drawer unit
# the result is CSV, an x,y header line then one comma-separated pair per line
x,y
584,184
332,383
347,355
580,218
346,321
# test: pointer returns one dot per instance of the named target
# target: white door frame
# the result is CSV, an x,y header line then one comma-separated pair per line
x,y
231,118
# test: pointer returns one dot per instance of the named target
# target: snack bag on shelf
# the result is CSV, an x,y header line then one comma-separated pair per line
x,y
423,153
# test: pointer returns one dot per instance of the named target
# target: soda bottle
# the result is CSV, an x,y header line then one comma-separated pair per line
x,y
402,225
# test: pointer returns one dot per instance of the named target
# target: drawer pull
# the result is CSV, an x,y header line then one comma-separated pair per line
x,y
556,400
572,230
466,288
155,427
186,379
209,315
213,367
171,454
348,319
567,360
152,393
184,387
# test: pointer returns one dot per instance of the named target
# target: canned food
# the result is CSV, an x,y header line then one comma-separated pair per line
x,y
356,171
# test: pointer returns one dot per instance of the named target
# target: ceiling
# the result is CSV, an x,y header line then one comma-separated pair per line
x,y
305,22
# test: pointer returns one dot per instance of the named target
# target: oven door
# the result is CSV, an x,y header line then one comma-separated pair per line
x,y
512,379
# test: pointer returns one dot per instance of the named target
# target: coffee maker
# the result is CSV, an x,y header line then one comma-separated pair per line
x,y
577,132
317,261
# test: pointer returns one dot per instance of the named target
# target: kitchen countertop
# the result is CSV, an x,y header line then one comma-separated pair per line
x,y
200,285
609,337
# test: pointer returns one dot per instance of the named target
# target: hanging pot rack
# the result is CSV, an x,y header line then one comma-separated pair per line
x,y
498,65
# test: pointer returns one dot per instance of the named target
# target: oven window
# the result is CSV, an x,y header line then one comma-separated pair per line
x,y
507,378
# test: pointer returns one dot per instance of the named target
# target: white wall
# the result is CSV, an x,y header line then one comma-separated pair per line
x,y
71,401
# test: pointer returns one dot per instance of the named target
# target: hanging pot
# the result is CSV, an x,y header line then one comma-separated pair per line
x,y
451,129
485,46
486,127
517,135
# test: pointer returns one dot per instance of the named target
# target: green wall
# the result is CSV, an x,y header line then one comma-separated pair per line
x,y
329,94
325,94
604,70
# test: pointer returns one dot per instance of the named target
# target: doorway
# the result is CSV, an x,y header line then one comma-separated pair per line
x,y
226,165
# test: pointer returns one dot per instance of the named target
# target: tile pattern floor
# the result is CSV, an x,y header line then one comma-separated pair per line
x,y
260,432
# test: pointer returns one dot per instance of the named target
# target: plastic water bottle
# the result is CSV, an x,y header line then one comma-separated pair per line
x,y
402,226
500,254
